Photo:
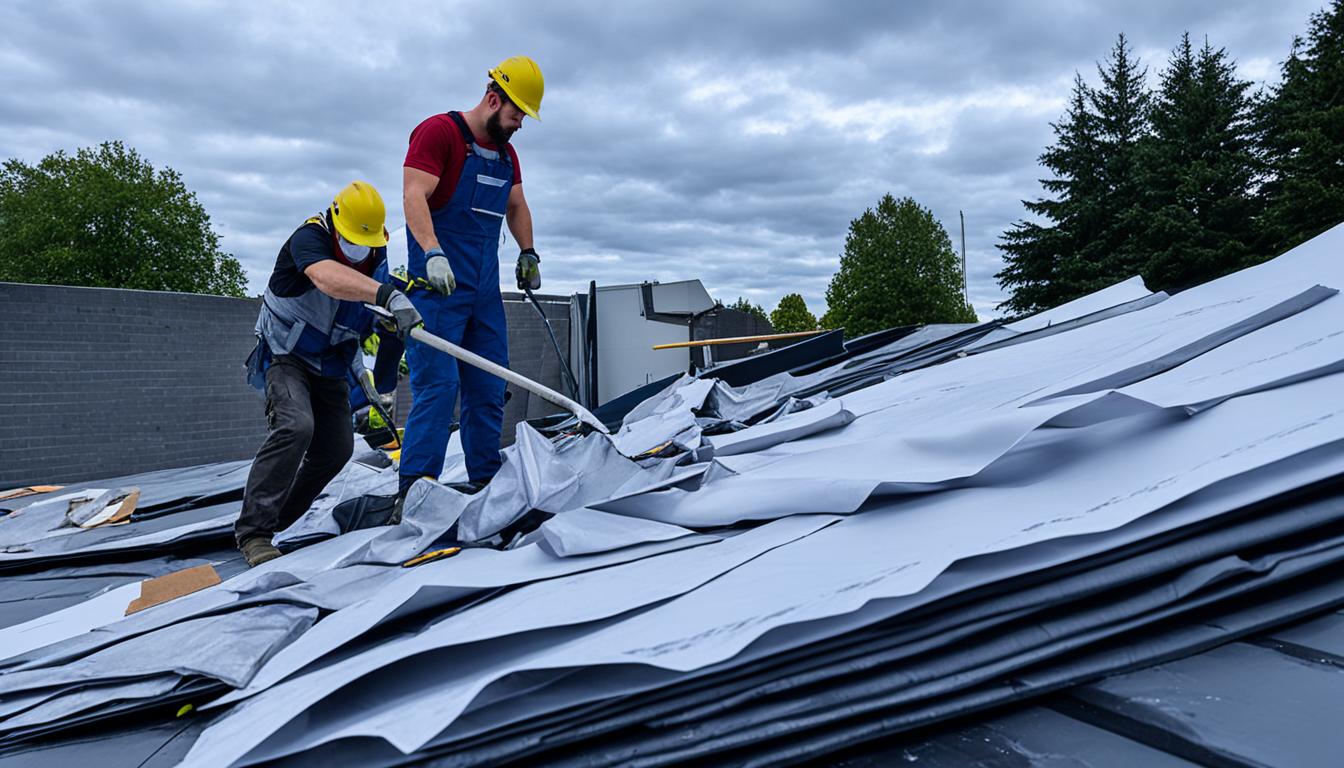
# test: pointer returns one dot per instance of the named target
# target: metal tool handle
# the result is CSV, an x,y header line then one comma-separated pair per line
x,y
471,358
375,402
564,364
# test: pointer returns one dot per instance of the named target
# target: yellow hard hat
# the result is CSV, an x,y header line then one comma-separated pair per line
x,y
358,213
520,77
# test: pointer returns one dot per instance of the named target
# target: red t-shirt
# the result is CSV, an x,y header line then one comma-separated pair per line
x,y
437,148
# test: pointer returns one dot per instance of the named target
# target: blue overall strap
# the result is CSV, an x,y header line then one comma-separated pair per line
x,y
473,148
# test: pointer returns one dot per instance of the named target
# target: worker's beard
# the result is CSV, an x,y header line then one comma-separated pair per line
x,y
498,133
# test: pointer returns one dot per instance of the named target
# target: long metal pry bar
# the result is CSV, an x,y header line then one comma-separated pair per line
x,y
471,358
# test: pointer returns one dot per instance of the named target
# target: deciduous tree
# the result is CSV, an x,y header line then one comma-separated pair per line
x,y
105,217
791,316
898,268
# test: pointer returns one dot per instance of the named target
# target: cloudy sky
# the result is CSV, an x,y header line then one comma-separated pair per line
x,y
727,141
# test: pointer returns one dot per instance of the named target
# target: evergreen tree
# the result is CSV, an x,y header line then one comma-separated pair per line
x,y
791,316
1121,107
104,217
1090,231
1301,129
1199,170
898,268
1036,255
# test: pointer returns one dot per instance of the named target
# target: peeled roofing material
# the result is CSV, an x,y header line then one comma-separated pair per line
x,y
833,571
771,571
1119,294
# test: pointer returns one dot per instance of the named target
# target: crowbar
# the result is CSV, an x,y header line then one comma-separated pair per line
x,y
471,358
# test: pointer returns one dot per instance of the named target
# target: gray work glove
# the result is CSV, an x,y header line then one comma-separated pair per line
x,y
404,315
438,272
528,270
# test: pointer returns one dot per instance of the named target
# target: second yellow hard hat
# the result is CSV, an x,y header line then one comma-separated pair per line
x,y
358,213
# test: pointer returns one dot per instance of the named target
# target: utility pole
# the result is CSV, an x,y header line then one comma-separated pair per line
x,y
965,287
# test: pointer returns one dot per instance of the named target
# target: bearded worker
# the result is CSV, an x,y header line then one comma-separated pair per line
x,y
461,183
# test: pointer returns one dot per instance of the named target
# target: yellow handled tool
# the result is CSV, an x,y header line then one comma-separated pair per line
x,y
437,554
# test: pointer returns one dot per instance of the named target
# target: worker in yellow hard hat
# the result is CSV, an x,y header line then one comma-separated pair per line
x,y
461,184
312,320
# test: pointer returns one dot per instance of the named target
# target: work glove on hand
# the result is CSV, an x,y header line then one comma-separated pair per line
x,y
438,272
404,315
528,270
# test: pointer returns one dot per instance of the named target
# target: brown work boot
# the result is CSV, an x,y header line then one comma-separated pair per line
x,y
258,550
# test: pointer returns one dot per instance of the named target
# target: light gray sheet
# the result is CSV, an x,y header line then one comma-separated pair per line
x,y
228,648
587,531
439,581
574,599
1120,293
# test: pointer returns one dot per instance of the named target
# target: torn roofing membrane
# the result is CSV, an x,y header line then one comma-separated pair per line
x,y
818,554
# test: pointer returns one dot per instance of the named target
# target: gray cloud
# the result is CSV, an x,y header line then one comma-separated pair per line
x,y
732,142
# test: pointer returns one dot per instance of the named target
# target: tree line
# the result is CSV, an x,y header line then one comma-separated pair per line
x,y
1185,182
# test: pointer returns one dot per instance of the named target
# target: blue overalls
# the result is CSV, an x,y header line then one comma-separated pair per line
x,y
468,229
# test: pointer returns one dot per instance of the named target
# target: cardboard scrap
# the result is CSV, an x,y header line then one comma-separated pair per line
x,y
16,493
172,586
127,508
117,512
82,506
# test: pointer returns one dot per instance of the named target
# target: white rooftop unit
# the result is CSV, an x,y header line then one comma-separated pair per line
x,y
631,319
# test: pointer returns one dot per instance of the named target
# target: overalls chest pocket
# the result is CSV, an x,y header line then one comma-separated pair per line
x,y
490,179
490,193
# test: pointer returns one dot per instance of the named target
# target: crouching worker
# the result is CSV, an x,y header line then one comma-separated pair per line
x,y
308,334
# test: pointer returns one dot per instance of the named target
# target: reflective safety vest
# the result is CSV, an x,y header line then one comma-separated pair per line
x,y
310,325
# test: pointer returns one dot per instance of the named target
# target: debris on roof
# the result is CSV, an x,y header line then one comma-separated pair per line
x,y
788,558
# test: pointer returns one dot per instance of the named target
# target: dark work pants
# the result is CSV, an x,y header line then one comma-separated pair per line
x,y
310,440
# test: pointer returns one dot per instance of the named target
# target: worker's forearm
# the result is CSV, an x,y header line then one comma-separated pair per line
x,y
520,224
341,282
418,220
